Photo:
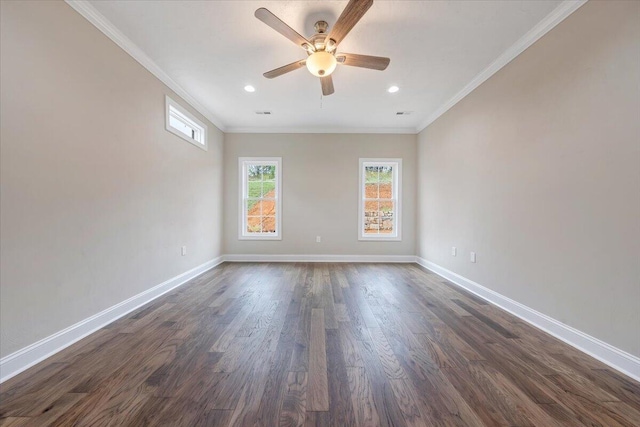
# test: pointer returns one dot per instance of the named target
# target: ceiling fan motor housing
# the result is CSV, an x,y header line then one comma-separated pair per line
x,y
317,40
321,27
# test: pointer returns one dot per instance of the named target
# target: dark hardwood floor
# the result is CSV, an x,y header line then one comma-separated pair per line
x,y
320,344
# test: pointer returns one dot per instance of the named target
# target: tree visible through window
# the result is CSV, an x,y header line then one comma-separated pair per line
x,y
379,201
260,198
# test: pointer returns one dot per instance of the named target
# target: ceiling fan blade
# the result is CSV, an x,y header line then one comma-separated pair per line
x,y
327,85
285,69
277,24
363,61
348,19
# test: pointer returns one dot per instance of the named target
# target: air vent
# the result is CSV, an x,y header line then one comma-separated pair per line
x,y
403,113
263,113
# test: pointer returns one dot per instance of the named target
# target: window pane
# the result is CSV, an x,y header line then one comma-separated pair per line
x,y
254,224
386,182
385,191
178,125
252,207
386,217
268,172
371,217
254,189
268,224
371,206
184,124
254,173
371,191
371,174
268,207
386,173
269,189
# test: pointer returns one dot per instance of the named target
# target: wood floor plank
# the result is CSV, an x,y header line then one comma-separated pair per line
x,y
318,391
222,343
294,404
300,358
340,408
407,403
491,405
362,397
351,354
14,421
293,344
274,394
56,409
388,359
389,412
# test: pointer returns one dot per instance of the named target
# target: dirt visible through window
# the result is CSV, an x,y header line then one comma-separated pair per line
x,y
266,208
263,212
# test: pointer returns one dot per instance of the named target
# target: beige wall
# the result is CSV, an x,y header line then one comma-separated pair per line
x,y
96,196
538,171
320,191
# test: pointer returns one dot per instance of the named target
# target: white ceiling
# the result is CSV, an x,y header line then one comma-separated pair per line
x,y
212,49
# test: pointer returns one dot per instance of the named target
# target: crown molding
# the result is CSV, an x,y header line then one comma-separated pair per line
x,y
91,14
410,131
563,10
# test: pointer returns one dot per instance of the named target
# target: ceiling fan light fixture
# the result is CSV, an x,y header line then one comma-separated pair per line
x,y
321,64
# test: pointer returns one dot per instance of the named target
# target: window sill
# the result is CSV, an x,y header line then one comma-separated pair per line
x,y
380,239
259,237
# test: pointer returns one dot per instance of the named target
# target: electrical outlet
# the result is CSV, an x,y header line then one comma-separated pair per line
x,y
318,239
184,250
454,251
472,257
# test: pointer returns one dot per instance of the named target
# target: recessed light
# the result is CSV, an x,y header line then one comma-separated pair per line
x,y
393,89
249,88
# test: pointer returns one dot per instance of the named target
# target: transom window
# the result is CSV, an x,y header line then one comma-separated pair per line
x,y
260,201
379,205
180,122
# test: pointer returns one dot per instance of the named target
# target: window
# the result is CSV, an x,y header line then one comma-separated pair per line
x,y
260,198
379,202
183,124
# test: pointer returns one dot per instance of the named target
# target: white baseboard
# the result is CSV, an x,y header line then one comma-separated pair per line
x,y
23,359
319,258
618,359
26,357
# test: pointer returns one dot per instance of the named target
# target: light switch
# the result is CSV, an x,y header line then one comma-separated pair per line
x,y
454,251
472,256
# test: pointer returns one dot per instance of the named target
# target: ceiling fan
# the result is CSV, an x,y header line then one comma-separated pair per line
x,y
321,47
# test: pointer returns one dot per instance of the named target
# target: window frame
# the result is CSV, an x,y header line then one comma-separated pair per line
x,y
243,163
396,164
186,117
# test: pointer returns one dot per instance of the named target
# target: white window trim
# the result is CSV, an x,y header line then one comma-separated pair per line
x,y
243,162
397,179
171,103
